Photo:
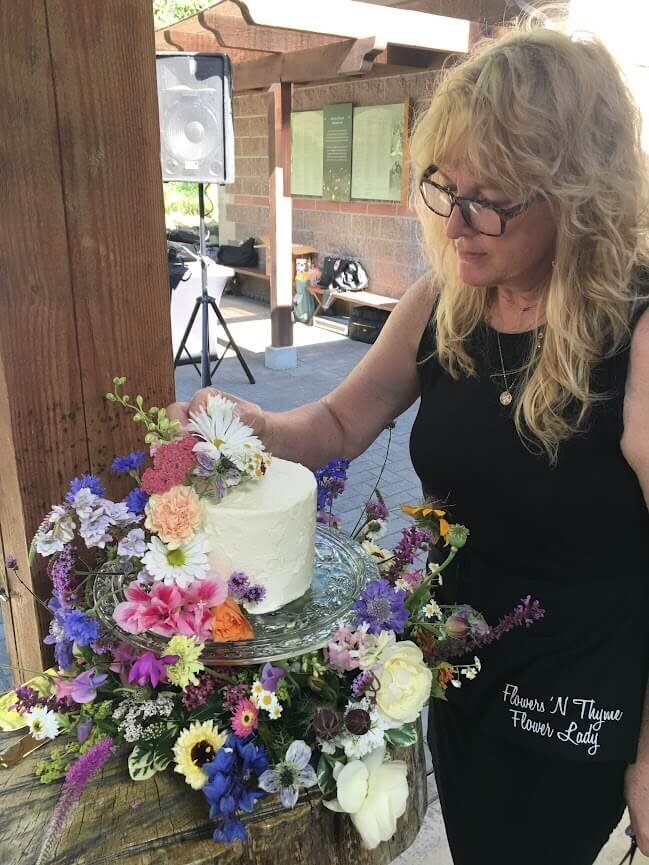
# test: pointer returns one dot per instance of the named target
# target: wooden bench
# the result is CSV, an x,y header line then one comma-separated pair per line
x,y
356,298
253,272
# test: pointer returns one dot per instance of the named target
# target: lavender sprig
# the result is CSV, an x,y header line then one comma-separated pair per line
x,y
76,779
523,615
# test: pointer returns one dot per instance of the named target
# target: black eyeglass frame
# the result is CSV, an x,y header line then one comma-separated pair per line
x,y
463,202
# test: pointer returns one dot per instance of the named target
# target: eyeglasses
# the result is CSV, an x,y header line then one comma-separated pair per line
x,y
479,214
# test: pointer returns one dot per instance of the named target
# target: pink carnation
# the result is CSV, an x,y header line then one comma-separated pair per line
x,y
175,516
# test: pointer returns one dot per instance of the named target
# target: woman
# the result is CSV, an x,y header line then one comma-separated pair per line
x,y
530,352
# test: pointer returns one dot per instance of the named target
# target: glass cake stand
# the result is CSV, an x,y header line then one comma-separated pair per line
x,y
341,569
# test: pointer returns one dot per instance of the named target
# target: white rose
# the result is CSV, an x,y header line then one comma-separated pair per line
x,y
405,682
373,793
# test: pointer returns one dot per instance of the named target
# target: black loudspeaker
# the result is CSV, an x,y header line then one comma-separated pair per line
x,y
195,106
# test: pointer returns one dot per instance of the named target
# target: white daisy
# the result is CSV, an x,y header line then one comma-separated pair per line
x,y
223,433
266,700
432,610
256,691
43,724
403,585
181,566
275,712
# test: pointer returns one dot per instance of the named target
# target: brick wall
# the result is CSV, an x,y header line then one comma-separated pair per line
x,y
384,236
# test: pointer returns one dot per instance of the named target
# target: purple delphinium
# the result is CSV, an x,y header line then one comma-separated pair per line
x,y
59,569
136,501
413,541
76,779
90,482
327,519
382,608
331,480
57,636
28,698
232,775
129,463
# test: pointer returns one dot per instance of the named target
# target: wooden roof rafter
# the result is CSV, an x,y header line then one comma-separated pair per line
x,y
271,42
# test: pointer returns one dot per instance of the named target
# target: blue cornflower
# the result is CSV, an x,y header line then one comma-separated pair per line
x,y
90,482
128,463
136,501
231,787
331,482
382,608
80,627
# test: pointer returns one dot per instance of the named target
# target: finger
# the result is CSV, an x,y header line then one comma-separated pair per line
x,y
178,411
199,400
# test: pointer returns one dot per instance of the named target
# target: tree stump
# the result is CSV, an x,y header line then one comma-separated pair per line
x,y
163,821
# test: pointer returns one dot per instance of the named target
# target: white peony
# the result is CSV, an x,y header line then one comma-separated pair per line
x,y
373,793
404,683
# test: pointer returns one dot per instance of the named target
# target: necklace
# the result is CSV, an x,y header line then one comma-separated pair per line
x,y
506,395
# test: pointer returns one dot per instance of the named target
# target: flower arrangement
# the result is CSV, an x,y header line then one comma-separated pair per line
x,y
324,722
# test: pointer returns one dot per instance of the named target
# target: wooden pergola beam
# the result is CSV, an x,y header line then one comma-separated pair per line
x,y
489,11
343,58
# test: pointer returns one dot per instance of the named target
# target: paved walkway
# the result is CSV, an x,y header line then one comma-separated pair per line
x,y
324,360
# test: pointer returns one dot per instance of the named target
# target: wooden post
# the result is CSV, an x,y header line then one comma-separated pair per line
x,y
281,226
83,272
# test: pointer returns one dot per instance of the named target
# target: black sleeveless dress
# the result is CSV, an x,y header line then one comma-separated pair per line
x,y
532,752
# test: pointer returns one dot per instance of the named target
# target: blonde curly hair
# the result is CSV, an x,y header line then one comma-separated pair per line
x,y
542,115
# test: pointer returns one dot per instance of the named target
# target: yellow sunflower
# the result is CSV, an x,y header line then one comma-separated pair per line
x,y
194,747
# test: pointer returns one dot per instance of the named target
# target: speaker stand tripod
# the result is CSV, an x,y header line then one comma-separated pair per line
x,y
205,303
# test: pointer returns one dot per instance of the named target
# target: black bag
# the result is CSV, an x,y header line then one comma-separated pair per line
x,y
365,323
244,255
343,274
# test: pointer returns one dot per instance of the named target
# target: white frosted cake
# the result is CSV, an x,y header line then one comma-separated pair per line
x,y
267,530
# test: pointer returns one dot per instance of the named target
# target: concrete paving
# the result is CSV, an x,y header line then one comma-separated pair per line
x,y
325,359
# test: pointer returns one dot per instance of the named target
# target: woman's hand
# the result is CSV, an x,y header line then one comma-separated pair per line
x,y
250,413
636,791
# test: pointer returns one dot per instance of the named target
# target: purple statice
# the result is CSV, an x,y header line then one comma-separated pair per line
x,y
232,695
59,570
382,608
11,562
376,509
129,463
243,590
256,594
76,779
362,683
90,482
136,501
413,540
331,482
79,627
232,777
205,465
238,584
195,696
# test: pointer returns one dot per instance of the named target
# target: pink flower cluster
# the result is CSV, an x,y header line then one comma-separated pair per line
x,y
343,651
171,464
171,610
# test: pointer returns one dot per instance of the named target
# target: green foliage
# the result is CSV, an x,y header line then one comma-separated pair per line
x,y
158,425
166,12
326,781
144,761
402,737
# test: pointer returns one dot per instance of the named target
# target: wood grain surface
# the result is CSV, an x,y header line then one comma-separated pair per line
x,y
163,821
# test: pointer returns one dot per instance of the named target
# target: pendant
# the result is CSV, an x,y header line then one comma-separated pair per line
x,y
505,398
